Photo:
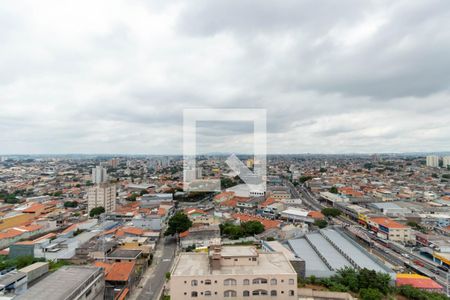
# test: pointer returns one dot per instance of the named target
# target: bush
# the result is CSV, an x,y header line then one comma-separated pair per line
x,y
320,223
331,212
370,294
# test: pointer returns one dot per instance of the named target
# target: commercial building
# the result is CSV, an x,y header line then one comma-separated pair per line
x,y
99,175
329,250
391,230
433,161
102,195
239,272
69,282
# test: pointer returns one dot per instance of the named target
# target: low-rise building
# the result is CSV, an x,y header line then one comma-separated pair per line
x,y
389,229
69,282
240,272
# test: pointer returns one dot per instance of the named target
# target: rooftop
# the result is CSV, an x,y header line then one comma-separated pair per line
x,y
238,251
197,264
60,284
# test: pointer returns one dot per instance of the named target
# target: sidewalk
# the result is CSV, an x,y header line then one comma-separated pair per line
x,y
149,272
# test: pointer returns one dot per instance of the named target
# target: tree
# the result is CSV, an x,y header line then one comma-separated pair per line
x,y
321,223
96,211
132,197
334,190
178,223
370,294
68,204
143,192
232,231
331,212
252,227
304,179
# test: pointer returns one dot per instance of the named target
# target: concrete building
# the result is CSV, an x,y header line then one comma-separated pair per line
x,y
433,161
446,160
391,230
69,282
238,272
99,175
12,283
102,195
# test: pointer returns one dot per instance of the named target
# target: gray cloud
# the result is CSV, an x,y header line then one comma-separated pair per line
x,y
347,76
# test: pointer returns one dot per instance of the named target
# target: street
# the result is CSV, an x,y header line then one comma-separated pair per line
x,y
163,259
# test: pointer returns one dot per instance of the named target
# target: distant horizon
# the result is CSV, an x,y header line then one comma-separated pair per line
x,y
229,153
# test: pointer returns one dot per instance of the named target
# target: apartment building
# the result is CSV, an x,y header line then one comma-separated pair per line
x,y
391,230
102,195
446,160
99,175
433,161
239,272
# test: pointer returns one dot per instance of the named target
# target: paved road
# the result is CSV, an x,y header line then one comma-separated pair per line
x,y
163,262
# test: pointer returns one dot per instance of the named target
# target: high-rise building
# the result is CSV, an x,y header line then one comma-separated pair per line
x,y
446,161
433,161
99,175
102,195
114,162
239,272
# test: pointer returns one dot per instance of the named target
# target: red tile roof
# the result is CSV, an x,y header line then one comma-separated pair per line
x,y
268,202
388,223
420,283
316,215
119,271
268,224
130,230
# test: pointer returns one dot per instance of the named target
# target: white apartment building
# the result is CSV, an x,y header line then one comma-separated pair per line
x,y
446,160
102,195
433,161
239,272
99,175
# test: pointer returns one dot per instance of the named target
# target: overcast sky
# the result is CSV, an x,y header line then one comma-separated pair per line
x,y
114,76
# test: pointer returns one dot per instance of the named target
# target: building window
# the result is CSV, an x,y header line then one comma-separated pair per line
x,y
291,281
194,294
273,281
259,293
194,282
246,294
291,293
208,282
273,293
207,293
229,281
229,293
259,281
246,282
